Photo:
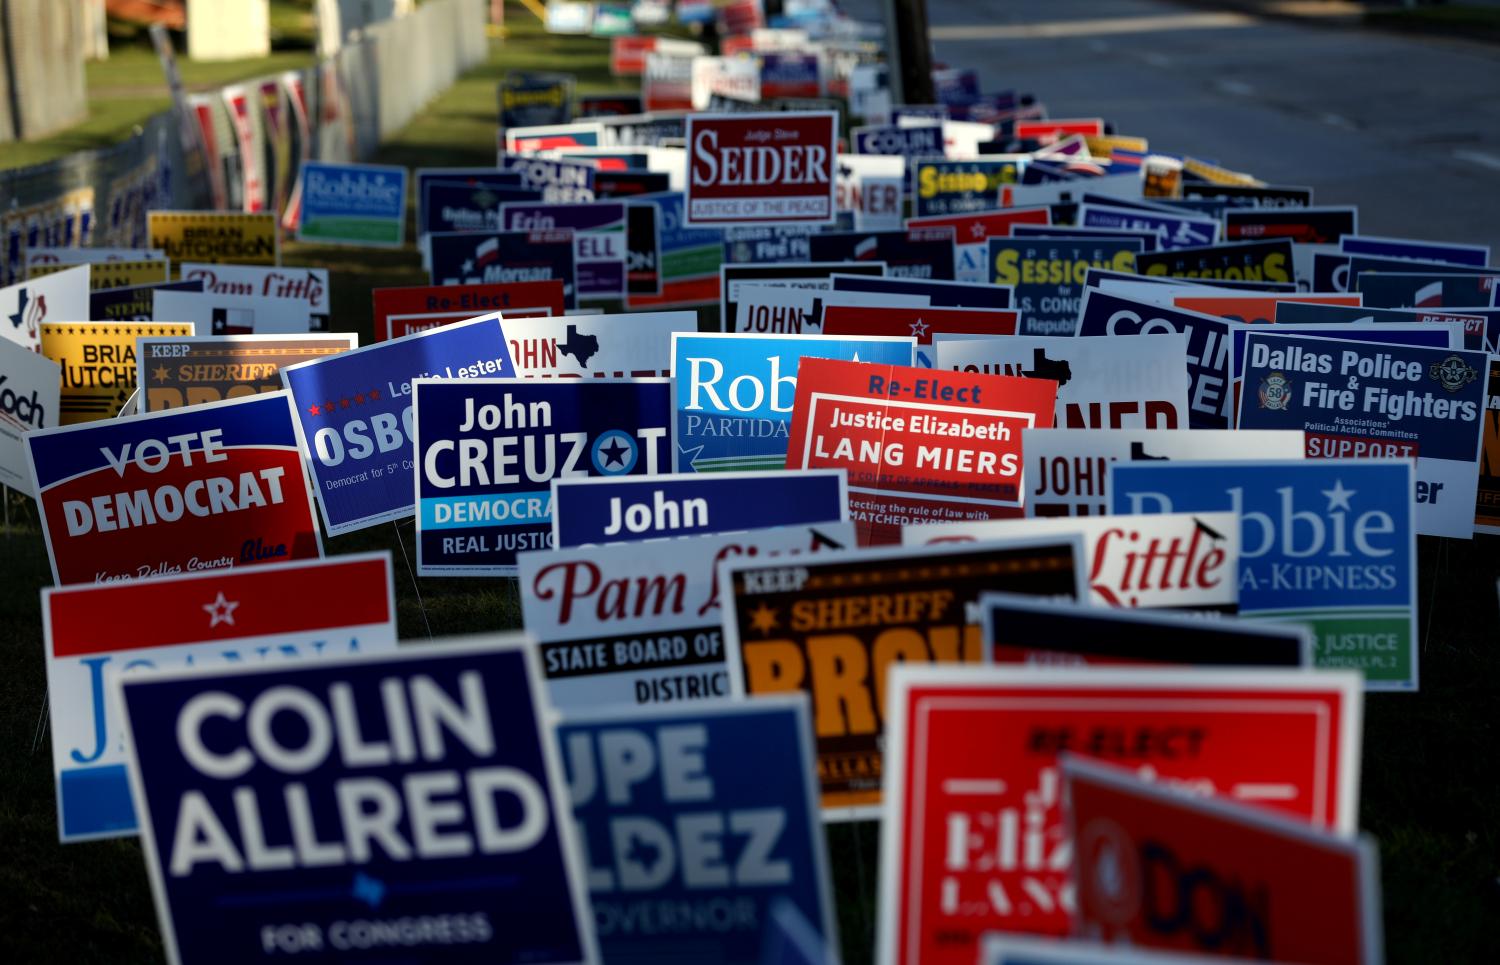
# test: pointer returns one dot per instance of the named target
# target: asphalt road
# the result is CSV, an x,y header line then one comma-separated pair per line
x,y
1407,128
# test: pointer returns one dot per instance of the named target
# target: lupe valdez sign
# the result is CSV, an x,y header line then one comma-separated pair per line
x,y
487,451
622,509
354,415
1358,399
920,445
1326,543
832,625
747,168
974,840
703,817
260,843
205,620
210,487
631,624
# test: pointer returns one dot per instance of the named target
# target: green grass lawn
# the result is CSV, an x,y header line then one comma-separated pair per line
x,y
1431,788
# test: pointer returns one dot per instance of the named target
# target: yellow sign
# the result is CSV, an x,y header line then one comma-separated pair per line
x,y
1217,175
216,237
98,363
1106,144
114,274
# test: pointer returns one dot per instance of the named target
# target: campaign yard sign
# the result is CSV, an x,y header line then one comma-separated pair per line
x,y
938,292
1327,543
113,274
619,509
1067,470
772,168
732,394
1359,399
784,310
405,311
208,620
353,204
627,624
1162,868
354,415
598,229
1104,314
927,325
503,257
1185,561
1025,630
134,304
237,237
98,363
1136,383
487,450
688,259
707,814
211,487
1049,276
595,346
421,813
1171,230
907,142
302,286
998,948
975,839
1487,497
177,372
920,445
1255,261
942,187
834,624
812,276
28,400
907,252
216,314
559,181
971,234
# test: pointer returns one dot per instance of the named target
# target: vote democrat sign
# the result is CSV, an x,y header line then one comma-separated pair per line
x,y
207,487
384,808
709,811
732,392
775,167
354,415
355,204
1327,543
620,509
1360,399
93,632
488,450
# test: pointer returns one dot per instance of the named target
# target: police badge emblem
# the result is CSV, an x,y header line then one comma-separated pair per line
x,y
1276,392
1452,373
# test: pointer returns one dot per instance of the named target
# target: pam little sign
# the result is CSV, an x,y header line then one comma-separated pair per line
x,y
761,168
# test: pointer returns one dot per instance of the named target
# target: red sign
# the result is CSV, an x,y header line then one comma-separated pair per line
x,y
1161,868
403,311
1257,309
761,168
920,445
975,841
1051,130
974,229
627,55
918,323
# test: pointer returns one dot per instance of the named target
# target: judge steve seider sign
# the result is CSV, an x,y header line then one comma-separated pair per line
x,y
746,168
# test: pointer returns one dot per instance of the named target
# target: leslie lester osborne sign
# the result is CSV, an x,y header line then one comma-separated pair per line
x,y
707,813
974,836
354,415
832,624
421,814
487,451
264,613
920,445
774,168
207,487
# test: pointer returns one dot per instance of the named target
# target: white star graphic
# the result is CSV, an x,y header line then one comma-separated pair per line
x,y
977,230
919,328
1338,496
220,611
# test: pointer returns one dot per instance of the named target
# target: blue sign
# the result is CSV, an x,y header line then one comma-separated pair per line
x,y
1477,323
732,393
1410,333
1049,275
598,239
940,187
1393,401
488,450
710,811
394,808
355,204
135,303
763,244
464,206
559,181
925,141
534,99
1209,397
1474,256
907,252
354,415
618,510
1171,230
940,294
475,177
1330,544
498,257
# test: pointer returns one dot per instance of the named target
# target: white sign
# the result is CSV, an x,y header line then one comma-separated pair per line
x,y
217,314
29,388
595,346
62,296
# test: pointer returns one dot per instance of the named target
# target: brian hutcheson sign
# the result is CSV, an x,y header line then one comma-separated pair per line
x,y
745,168
623,509
205,620
379,808
354,415
635,624
710,811
209,487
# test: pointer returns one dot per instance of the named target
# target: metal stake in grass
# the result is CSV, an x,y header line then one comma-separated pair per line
x,y
413,575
